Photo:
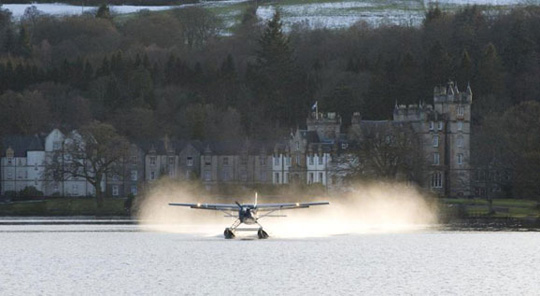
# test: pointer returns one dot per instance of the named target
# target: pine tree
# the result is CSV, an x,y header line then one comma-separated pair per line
x,y
277,81
23,47
437,67
464,70
103,12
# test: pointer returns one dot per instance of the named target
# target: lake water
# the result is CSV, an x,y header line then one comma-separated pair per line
x,y
127,260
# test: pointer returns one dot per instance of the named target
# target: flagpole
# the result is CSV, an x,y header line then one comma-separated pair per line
x,y
317,110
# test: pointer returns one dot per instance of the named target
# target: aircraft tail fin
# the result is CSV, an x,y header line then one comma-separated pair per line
x,y
255,203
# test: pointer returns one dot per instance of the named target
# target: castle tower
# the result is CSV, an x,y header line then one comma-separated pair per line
x,y
327,126
452,124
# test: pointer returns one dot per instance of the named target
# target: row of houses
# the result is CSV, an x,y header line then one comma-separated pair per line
x,y
248,163
314,154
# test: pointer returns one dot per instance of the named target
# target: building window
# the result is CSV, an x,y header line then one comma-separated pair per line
x,y
276,176
288,160
134,189
286,179
460,125
134,175
460,141
189,161
440,125
276,160
310,179
55,187
243,176
436,158
171,172
321,157
9,175
460,158
171,160
115,190
75,189
56,145
436,141
152,160
436,180
460,111
298,159
431,125
207,160
225,161
311,160
225,175
297,146
152,175
263,176
134,158
262,160
321,179
207,175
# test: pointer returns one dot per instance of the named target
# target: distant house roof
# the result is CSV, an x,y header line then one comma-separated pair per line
x,y
21,144
238,147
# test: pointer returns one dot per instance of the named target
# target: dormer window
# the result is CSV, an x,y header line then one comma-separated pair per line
x,y
440,125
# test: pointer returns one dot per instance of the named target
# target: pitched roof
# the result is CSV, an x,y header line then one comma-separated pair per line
x,y
21,144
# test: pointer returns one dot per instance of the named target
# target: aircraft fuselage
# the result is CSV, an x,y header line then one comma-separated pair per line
x,y
248,216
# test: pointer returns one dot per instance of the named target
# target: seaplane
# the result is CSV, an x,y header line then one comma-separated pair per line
x,y
249,214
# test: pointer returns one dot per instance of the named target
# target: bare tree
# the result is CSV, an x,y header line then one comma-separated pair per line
x,y
386,150
198,25
90,153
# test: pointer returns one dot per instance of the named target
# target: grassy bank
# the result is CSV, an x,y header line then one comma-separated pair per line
x,y
63,207
509,208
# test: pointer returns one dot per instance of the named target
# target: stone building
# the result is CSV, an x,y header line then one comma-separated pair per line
x,y
236,163
307,157
21,163
178,160
444,130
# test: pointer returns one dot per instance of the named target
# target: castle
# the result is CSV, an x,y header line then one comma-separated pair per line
x,y
316,154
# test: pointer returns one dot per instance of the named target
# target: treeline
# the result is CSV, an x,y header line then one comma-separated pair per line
x,y
109,2
176,73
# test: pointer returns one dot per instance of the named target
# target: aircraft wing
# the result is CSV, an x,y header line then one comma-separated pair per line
x,y
289,206
207,206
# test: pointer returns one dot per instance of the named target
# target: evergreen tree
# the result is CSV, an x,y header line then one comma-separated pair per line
x,y
103,12
23,47
277,81
437,67
464,70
